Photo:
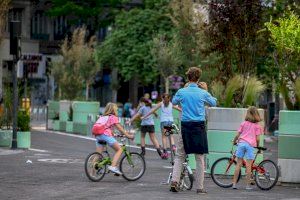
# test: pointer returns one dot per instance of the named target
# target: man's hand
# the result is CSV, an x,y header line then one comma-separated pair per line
x,y
202,85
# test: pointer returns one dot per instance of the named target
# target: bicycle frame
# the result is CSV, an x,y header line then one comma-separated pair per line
x,y
254,167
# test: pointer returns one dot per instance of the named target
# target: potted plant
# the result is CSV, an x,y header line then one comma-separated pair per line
x,y
23,134
6,118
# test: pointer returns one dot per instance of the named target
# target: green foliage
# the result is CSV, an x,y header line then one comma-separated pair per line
x,y
238,91
77,68
94,13
7,106
129,45
233,85
252,90
23,121
285,35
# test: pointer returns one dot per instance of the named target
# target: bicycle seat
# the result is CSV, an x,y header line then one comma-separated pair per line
x,y
169,127
102,142
261,148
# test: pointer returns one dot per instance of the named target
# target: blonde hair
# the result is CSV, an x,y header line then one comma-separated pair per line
x,y
111,109
253,115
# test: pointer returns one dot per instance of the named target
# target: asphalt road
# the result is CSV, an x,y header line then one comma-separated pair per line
x,y
53,169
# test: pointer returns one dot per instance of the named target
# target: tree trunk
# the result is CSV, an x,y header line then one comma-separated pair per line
x,y
114,82
87,87
133,90
167,85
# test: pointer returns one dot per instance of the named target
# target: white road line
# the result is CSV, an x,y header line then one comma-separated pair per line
x,y
38,150
88,138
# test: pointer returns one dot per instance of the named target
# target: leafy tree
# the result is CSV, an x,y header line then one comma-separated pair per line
x,y
4,7
167,56
285,35
77,67
129,45
91,13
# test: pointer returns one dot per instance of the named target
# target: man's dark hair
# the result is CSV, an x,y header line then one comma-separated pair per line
x,y
193,74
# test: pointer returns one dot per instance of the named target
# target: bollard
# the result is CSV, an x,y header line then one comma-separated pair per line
x,y
90,122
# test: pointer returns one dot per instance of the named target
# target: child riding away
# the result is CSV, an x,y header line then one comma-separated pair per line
x,y
166,119
246,139
103,131
147,125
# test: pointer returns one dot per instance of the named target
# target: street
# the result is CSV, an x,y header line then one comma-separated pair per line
x,y
53,169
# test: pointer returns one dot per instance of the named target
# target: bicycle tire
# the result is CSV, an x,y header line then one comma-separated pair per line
x,y
259,181
92,170
127,169
186,180
217,172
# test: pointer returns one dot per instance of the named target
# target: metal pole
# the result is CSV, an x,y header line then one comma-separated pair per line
x,y
14,144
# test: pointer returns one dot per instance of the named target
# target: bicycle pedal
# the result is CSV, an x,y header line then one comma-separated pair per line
x,y
116,174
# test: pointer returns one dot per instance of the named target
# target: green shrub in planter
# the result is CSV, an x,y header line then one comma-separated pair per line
x,y
23,121
23,135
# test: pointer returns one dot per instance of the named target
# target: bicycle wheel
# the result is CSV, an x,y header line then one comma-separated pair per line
x,y
133,167
93,170
186,180
266,175
222,172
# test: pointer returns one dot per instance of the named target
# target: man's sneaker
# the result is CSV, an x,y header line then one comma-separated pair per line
x,y
234,187
201,191
114,170
174,187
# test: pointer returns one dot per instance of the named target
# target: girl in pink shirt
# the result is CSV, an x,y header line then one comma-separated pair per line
x,y
246,139
110,120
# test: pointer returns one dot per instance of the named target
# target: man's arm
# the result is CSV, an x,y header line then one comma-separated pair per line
x,y
177,98
212,101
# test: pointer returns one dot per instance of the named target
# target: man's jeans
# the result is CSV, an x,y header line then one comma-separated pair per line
x,y
179,159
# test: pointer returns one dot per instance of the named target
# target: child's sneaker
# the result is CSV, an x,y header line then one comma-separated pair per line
x,y
201,191
173,147
114,170
234,186
164,156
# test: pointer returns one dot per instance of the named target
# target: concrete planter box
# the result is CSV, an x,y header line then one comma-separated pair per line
x,y
24,139
50,124
82,109
288,146
69,127
5,138
289,170
56,125
64,109
53,109
80,128
289,122
228,119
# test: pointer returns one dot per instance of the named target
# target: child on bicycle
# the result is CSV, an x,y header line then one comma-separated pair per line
x,y
110,121
246,139
166,119
147,125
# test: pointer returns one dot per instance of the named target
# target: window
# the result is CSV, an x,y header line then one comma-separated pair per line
x,y
39,28
14,14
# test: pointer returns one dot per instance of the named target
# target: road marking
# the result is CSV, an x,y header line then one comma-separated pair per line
x,y
88,138
38,150
61,160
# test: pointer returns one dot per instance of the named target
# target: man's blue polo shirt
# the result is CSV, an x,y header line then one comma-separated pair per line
x,y
192,100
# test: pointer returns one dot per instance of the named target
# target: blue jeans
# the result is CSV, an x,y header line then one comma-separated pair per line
x,y
244,149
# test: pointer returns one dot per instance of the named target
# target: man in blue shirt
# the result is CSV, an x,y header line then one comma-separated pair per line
x,y
193,140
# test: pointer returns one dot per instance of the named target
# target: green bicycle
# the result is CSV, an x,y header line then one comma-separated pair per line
x,y
132,164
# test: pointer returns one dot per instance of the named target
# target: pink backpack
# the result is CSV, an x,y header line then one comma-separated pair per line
x,y
101,125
